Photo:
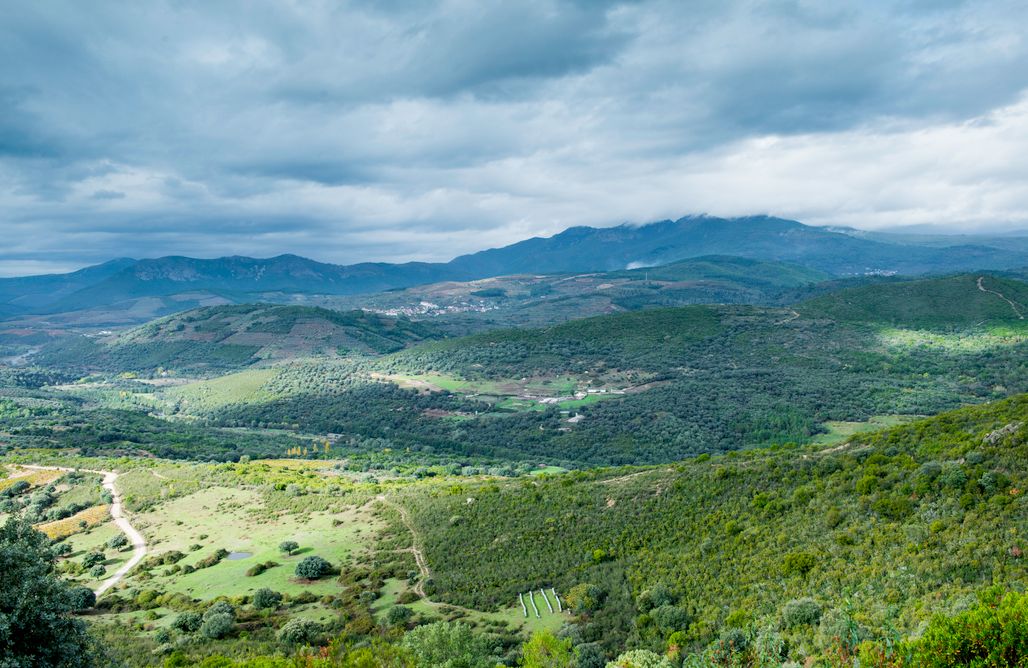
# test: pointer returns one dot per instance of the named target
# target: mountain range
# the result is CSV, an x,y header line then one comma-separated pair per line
x,y
125,291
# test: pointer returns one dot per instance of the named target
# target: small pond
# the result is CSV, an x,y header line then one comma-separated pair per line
x,y
235,556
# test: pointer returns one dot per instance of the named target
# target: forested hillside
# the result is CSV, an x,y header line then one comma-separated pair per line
x,y
954,301
878,533
234,336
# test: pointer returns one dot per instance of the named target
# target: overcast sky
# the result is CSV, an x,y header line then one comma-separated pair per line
x,y
392,130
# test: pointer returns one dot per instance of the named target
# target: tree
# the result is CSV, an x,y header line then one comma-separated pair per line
x,y
98,571
188,622
81,598
217,625
288,546
312,568
36,628
121,540
993,634
640,658
584,597
398,614
590,655
220,608
447,645
93,559
299,631
266,598
801,612
545,650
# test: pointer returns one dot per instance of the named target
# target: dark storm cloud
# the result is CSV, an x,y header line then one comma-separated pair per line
x,y
413,130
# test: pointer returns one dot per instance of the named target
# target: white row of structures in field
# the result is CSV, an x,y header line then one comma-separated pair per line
x,y
546,599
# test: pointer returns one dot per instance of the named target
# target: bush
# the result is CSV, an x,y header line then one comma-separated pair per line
x,y
188,622
98,571
217,625
590,655
399,614
669,618
266,598
220,608
81,598
312,568
121,540
300,631
992,634
640,658
801,612
798,563
447,644
656,597
257,569
584,597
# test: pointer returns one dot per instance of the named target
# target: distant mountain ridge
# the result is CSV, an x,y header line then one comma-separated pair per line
x,y
579,249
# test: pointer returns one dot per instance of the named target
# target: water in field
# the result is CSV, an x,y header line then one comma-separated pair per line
x,y
235,556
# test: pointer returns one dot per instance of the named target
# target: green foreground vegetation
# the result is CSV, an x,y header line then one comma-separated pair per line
x,y
840,483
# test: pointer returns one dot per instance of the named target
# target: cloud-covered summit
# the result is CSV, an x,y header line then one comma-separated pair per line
x,y
410,130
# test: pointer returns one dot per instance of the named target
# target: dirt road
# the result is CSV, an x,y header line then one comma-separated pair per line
x,y
136,538
1013,305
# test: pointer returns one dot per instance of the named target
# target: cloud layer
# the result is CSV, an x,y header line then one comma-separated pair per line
x,y
411,130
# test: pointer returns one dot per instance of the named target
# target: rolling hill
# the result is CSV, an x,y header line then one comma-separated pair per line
x,y
954,301
541,299
221,337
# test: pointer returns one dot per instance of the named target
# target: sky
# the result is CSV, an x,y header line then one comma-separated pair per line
x,y
389,130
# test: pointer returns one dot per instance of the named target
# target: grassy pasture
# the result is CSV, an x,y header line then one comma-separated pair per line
x,y
238,521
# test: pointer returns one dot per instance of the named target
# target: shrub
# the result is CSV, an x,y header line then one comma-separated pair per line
x,y
98,571
117,541
659,595
257,569
300,631
992,634
399,614
730,646
584,597
669,618
266,598
220,608
447,644
798,563
312,568
212,559
217,625
640,658
590,655
81,598
188,622
801,612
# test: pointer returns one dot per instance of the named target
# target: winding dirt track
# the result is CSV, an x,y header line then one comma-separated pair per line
x,y
419,556
136,538
1013,305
